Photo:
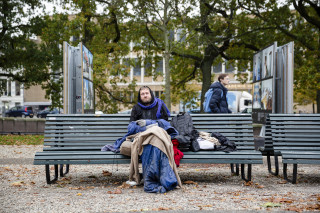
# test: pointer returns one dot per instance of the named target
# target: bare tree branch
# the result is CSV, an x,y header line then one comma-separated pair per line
x,y
150,35
196,58
191,76
105,89
302,10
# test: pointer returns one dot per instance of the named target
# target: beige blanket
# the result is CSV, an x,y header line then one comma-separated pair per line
x,y
158,137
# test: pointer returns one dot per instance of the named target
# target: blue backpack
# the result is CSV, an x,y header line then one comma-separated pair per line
x,y
207,98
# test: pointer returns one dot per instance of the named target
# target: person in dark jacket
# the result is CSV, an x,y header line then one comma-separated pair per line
x,y
218,102
148,107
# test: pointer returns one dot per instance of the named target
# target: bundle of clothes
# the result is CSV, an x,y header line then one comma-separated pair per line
x,y
158,143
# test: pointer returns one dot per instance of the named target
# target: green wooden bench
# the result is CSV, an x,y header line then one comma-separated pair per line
x,y
296,137
77,139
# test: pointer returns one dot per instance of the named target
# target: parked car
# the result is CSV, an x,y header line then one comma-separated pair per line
x,y
125,112
20,111
98,112
247,110
194,111
44,113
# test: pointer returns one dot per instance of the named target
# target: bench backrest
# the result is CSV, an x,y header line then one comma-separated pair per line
x,y
91,132
295,132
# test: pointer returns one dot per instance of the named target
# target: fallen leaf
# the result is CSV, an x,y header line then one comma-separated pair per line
x,y
7,168
106,173
79,194
18,183
77,188
249,183
124,186
65,178
295,209
283,200
283,182
270,204
205,206
314,207
117,191
190,182
163,209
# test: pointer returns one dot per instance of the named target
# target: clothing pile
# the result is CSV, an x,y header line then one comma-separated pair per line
x,y
153,144
159,169
159,144
190,139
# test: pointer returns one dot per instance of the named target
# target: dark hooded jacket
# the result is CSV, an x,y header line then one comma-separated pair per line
x,y
218,103
138,112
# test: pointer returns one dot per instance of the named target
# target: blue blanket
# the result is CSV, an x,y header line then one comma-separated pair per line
x,y
158,175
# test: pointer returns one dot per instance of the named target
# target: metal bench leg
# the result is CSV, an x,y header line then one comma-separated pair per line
x,y
285,175
62,174
232,169
243,172
295,173
276,164
56,174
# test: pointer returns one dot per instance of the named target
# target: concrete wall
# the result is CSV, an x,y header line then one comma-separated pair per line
x,y
23,126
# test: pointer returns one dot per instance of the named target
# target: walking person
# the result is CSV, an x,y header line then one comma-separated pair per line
x,y
218,102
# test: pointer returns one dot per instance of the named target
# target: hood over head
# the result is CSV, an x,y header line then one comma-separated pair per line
x,y
152,95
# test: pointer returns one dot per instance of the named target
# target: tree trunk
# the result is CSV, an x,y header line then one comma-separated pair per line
x,y
318,101
318,69
167,99
205,66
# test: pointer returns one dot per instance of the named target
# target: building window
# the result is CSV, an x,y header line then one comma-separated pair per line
x,y
137,67
115,70
157,94
3,87
126,63
181,35
159,66
229,68
9,88
217,68
132,97
147,67
74,38
17,88
171,35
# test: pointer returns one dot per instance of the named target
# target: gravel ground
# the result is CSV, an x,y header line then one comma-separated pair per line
x,y
91,188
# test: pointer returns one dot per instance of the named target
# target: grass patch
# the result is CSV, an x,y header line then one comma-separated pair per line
x,y
21,139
